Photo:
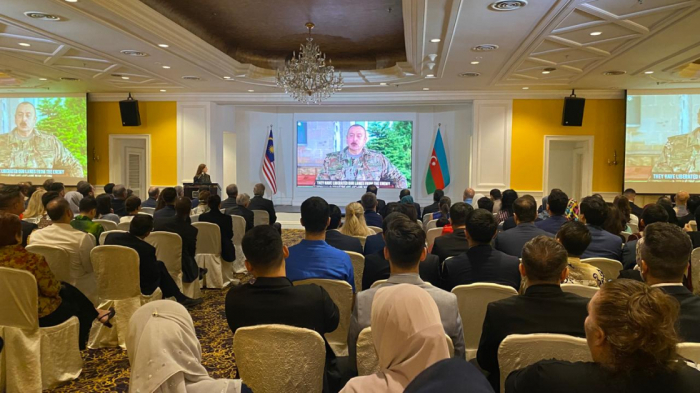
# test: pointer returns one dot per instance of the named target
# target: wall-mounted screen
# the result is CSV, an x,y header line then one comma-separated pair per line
x,y
43,137
354,154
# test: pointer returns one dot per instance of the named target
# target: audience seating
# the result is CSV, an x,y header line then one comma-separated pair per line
x,y
279,358
432,234
377,283
57,258
518,351
581,290
341,293
376,229
169,251
431,224
610,267
693,224
367,358
124,226
261,217
118,285
690,351
108,225
104,234
33,358
194,218
209,256
358,266
362,239
634,228
695,270
426,218
238,232
472,300
148,210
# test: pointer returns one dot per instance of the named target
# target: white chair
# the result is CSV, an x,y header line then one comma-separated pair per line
x,y
433,233
634,228
690,351
108,225
518,351
693,225
267,354
222,210
472,301
431,224
169,251
341,293
610,267
426,218
367,358
261,217
377,283
104,235
194,218
124,226
148,210
358,265
57,258
209,256
362,239
118,285
238,233
376,229
33,358
695,270
581,290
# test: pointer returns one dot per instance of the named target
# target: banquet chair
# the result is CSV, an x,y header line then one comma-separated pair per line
x,y
610,267
472,301
238,233
341,294
108,225
432,234
518,351
124,226
261,217
358,266
377,283
57,258
695,270
118,285
426,218
195,218
690,351
104,235
148,210
209,256
362,239
581,290
693,225
168,247
280,358
376,229
431,224
634,228
33,358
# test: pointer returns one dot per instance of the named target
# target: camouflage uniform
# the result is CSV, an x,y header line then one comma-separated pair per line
x,y
38,151
369,166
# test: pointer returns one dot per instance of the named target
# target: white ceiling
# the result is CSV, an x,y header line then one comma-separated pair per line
x,y
637,36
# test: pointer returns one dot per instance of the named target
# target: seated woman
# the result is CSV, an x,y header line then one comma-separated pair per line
x,y
443,215
35,209
165,354
203,205
631,333
408,336
104,209
355,224
57,301
133,207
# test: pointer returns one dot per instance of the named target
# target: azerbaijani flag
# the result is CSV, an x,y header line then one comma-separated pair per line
x,y
438,176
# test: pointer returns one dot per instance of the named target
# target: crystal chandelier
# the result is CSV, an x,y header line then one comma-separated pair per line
x,y
307,78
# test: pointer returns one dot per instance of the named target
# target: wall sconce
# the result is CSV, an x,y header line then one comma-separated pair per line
x,y
614,160
95,157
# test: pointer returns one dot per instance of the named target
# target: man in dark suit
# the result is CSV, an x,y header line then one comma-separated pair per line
x,y
338,240
152,200
381,204
437,195
272,299
665,254
169,196
524,212
12,202
232,193
406,192
152,272
604,244
181,224
543,308
215,216
481,263
556,207
241,209
369,204
631,194
650,215
260,203
454,243
118,206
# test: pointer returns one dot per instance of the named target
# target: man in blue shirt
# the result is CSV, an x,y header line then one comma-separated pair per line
x,y
556,207
603,243
313,257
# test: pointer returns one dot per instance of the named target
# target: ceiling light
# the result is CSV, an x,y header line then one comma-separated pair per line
x,y
508,5
125,77
43,79
23,44
163,90
42,16
430,76
71,1
69,79
485,48
649,72
382,83
227,77
475,62
136,53
426,88
526,88
251,91
546,72
166,67
596,33
163,45
614,73
435,40
469,75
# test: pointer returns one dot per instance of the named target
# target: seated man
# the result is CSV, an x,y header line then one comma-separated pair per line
x,y
556,207
337,239
575,237
485,203
665,254
454,243
215,216
509,223
405,248
650,214
241,209
12,201
375,243
232,194
119,193
272,299
260,203
83,221
543,308
152,272
181,224
169,196
133,207
381,204
313,257
468,196
524,212
434,208
369,204
604,244
152,200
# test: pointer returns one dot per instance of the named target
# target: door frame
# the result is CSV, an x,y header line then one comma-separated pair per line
x,y
587,168
113,153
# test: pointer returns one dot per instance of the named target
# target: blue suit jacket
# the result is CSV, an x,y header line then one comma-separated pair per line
x,y
603,244
374,244
511,242
552,224
373,219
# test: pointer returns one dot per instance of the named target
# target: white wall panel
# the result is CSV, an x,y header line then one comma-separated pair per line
x,y
490,166
193,138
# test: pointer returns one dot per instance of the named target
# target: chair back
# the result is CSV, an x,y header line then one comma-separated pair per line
x,y
168,250
431,224
521,350
432,234
472,301
695,270
117,272
362,239
148,210
377,283
358,265
581,290
261,217
124,226
108,225
265,355
426,218
634,228
376,229
238,233
194,218
610,267
20,298
341,293
693,225
104,234
690,351
208,238
57,258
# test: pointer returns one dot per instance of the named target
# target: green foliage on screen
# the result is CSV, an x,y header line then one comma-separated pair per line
x,y
66,118
394,140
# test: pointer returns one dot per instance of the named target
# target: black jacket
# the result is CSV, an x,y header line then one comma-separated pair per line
x,y
188,233
27,228
343,242
374,244
636,210
228,252
377,268
481,264
202,179
166,212
434,208
149,272
449,245
119,207
689,317
511,242
150,202
373,219
228,202
249,216
260,203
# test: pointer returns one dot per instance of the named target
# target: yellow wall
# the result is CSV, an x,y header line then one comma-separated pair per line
x,y
158,119
533,119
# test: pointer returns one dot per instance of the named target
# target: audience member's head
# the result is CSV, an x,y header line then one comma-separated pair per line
x,y
259,190
651,214
405,244
169,195
372,188
485,203
132,205
544,261
180,191
665,201
315,215
594,211
355,224
104,204
129,192
525,209
682,198
47,184
141,225
389,218
59,211
507,200
11,200
264,251
630,194
86,189
109,187
153,192
35,208
622,203
204,197
336,216
30,189
59,188
468,194
481,226
495,194
438,194
404,192
10,229
243,200
183,207
665,253
557,202
575,237
232,191
214,202
88,207
119,191
407,199
369,201
459,212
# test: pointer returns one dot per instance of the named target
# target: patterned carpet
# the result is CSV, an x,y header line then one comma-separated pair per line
x,y
107,369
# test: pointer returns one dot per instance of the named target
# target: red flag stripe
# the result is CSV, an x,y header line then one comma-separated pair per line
x,y
436,171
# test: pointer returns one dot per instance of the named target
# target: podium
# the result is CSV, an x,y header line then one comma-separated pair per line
x,y
192,189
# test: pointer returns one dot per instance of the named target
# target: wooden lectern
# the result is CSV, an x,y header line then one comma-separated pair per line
x,y
192,190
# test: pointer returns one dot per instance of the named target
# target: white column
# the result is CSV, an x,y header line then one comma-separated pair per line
x,y
490,165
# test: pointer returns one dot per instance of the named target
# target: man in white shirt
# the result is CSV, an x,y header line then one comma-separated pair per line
x,y
77,243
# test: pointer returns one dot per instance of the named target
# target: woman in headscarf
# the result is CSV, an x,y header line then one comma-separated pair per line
x,y
408,336
412,206
165,354
355,224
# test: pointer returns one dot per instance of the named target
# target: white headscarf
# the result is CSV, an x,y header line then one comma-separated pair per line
x,y
408,336
165,354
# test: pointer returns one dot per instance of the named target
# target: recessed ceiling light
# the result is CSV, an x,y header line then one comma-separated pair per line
x,y
71,1
526,88
475,62
435,40
596,33
23,44
485,48
166,67
469,75
430,76
125,77
382,83
227,77
508,5
426,88
546,72
614,73
163,45
42,16
649,72
136,53
251,91
43,79
163,90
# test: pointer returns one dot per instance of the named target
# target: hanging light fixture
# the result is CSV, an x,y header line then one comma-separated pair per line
x,y
307,78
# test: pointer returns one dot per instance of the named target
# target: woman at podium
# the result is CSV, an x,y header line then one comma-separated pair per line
x,y
202,177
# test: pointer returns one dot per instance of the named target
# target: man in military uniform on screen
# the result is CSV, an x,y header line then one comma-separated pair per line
x,y
356,162
26,148
680,154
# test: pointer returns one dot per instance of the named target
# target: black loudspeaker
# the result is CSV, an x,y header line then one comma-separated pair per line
x,y
129,109
573,111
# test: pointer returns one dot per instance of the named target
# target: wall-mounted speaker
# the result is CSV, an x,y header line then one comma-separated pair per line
x,y
129,109
573,111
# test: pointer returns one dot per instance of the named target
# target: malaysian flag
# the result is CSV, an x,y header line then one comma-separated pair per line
x,y
268,165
